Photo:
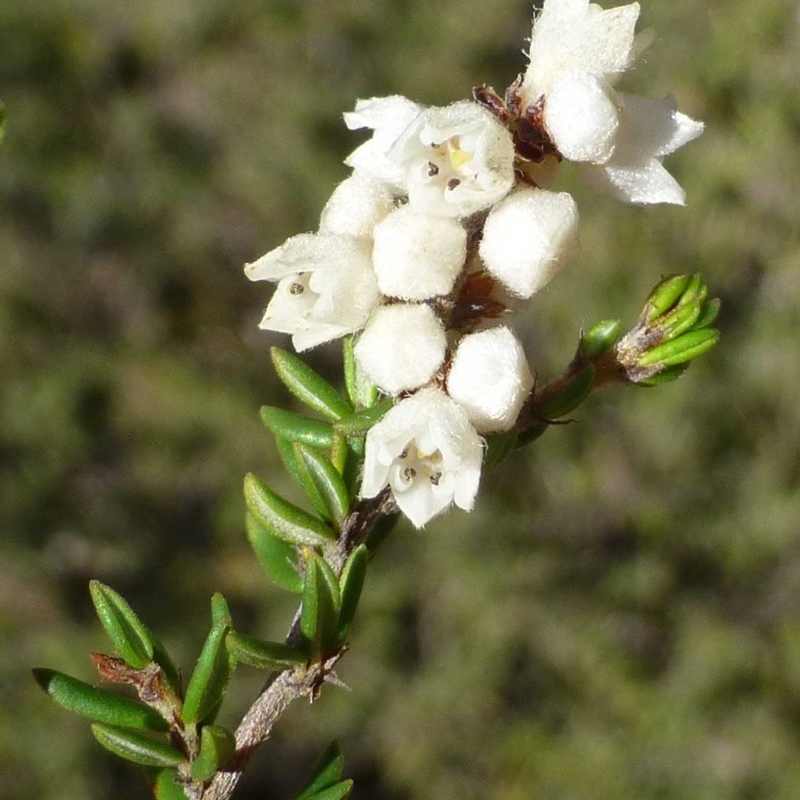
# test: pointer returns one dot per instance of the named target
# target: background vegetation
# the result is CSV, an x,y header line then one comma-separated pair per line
x,y
619,618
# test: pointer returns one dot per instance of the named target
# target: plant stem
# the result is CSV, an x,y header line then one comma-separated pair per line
x,y
284,687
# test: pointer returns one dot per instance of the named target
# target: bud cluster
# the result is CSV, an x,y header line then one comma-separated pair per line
x,y
449,221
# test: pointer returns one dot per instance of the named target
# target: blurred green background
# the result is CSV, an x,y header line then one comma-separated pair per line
x,y
619,618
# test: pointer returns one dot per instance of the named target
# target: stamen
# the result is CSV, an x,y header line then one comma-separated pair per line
x,y
296,289
404,454
435,478
409,473
453,183
432,169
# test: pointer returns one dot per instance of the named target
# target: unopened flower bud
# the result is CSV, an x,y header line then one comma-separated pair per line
x,y
528,237
418,256
490,379
402,347
356,206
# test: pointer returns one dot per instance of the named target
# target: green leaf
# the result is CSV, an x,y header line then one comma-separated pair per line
x,y
665,295
681,350
359,422
570,396
319,614
164,660
97,704
336,792
351,582
297,428
664,376
220,611
278,558
498,447
217,745
308,386
210,677
325,773
281,518
599,339
361,391
708,314
130,636
327,482
166,786
267,656
679,320
136,746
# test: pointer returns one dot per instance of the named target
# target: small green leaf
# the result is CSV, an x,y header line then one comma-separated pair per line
x,y
97,704
326,480
708,314
136,746
664,376
319,614
336,792
297,428
570,395
220,611
166,786
359,422
308,386
599,339
361,391
351,582
498,447
217,745
210,677
665,295
325,773
130,636
281,518
278,558
267,656
679,320
300,474
681,350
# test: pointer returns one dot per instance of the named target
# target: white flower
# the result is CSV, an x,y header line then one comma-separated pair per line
x,y
401,347
428,453
458,159
326,287
356,206
490,379
388,117
649,130
528,237
418,256
577,51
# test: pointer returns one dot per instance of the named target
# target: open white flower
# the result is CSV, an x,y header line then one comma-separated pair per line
x,y
649,130
428,453
577,51
528,236
388,117
418,256
401,347
457,159
326,287
490,378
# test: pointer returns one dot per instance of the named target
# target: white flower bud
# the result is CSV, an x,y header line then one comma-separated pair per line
x,y
581,118
356,206
428,453
528,237
401,347
418,256
490,378
326,287
458,159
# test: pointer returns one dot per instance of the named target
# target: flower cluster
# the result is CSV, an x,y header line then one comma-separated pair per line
x,y
449,220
